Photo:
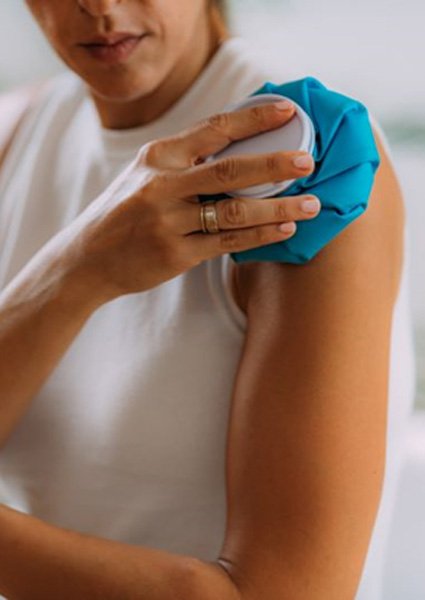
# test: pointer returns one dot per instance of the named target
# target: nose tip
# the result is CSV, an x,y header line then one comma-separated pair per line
x,y
98,8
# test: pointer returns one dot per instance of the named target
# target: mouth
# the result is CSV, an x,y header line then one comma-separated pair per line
x,y
112,48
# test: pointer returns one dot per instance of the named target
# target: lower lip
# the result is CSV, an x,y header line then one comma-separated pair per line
x,y
114,53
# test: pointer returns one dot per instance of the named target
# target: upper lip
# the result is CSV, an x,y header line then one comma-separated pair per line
x,y
110,39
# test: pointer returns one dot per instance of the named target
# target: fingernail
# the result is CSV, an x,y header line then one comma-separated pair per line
x,y
303,162
287,227
310,206
284,105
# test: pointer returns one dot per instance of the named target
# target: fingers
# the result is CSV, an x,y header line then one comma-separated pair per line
x,y
208,137
237,213
241,221
210,245
238,172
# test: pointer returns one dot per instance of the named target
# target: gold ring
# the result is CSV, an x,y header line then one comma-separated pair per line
x,y
209,220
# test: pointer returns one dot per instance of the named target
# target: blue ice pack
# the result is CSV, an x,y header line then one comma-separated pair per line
x,y
346,159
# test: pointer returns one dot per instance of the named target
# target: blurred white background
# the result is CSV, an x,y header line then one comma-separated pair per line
x,y
371,50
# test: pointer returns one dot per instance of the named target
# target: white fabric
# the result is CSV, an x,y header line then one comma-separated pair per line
x,y
126,439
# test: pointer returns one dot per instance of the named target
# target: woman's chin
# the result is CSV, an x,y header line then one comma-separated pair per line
x,y
116,89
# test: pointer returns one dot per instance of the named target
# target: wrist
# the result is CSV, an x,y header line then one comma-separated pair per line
x,y
85,277
85,286
55,277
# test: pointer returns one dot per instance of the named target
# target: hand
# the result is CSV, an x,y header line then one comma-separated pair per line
x,y
145,228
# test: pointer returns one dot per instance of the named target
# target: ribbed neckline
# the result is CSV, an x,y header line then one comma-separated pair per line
x,y
121,144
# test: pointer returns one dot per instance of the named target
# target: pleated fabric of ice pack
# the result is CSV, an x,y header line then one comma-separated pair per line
x,y
346,160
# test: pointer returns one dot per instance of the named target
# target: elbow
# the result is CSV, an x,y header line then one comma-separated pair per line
x,y
211,581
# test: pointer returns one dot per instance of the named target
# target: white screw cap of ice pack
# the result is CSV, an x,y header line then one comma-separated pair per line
x,y
297,134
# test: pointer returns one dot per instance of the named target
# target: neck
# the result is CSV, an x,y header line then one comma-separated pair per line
x,y
143,110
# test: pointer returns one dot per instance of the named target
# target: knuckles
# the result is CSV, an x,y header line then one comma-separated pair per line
x,y
281,211
277,164
258,116
263,235
226,170
149,191
154,187
219,123
233,212
149,154
229,240
176,257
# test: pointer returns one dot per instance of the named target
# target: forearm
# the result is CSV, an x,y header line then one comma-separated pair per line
x,y
41,311
39,561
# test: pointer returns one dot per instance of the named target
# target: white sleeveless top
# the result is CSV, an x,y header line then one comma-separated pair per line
x,y
126,439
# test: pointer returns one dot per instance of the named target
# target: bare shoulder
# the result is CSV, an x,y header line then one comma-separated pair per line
x,y
13,106
372,244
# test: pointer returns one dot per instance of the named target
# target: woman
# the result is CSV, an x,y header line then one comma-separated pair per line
x,y
178,426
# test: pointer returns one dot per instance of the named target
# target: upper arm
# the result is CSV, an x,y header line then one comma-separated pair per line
x,y
307,432
13,106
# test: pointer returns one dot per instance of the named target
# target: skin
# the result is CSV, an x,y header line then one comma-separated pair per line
x,y
182,37
102,255
306,446
307,435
